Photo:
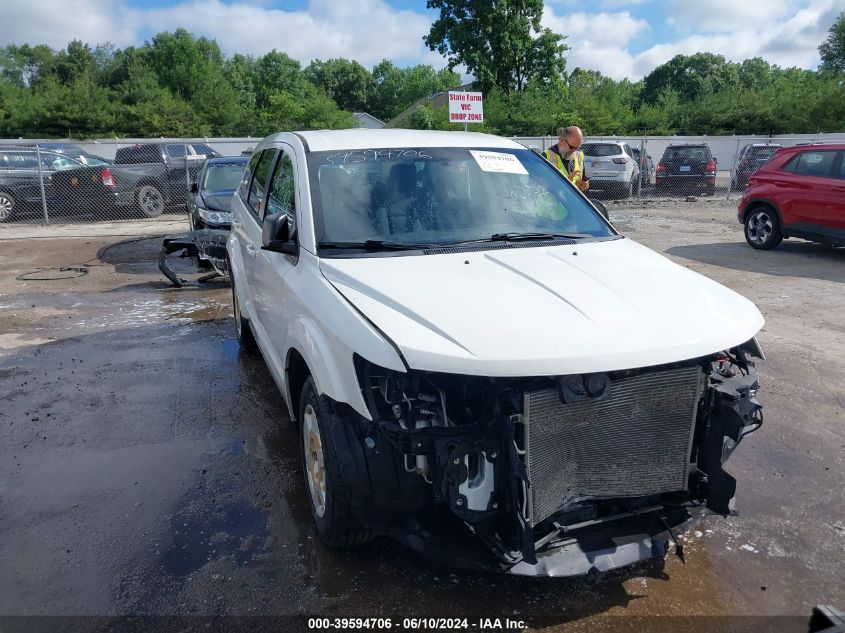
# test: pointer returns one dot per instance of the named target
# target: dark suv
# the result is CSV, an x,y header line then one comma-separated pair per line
x,y
686,168
749,159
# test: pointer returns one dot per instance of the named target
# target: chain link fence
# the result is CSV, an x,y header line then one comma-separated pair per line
x,y
625,167
50,182
53,182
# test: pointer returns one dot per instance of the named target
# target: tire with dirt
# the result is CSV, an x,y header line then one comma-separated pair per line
x,y
7,206
328,497
150,201
246,339
762,228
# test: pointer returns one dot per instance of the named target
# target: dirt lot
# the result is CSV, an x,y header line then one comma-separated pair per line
x,y
147,467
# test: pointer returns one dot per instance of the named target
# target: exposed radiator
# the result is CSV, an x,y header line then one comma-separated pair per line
x,y
635,443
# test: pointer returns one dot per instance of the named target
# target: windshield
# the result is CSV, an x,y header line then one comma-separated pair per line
x,y
762,153
93,161
222,176
60,162
601,149
442,196
686,153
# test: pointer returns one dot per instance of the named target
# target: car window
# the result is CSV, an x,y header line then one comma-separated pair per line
x,y
814,163
20,160
92,161
283,192
58,162
175,150
138,154
601,149
763,153
221,176
842,166
259,181
677,154
243,190
442,195
203,149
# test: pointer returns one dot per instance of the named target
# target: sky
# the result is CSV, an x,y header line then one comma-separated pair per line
x,y
620,38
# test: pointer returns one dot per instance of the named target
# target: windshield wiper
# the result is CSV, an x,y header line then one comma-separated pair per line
x,y
525,237
375,245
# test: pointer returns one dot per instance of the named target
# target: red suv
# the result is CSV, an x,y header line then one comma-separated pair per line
x,y
799,193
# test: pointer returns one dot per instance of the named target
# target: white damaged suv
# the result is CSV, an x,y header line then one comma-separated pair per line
x,y
478,363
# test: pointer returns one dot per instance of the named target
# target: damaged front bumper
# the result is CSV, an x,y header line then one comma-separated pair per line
x,y
547,476
206,245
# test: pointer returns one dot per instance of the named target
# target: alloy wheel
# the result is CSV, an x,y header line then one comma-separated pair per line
x,y
315,467
760,227
6,206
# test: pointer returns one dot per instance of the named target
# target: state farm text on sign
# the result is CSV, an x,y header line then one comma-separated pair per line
x,y
466,107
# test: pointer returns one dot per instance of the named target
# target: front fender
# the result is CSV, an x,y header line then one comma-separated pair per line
x,y
331,365
238,275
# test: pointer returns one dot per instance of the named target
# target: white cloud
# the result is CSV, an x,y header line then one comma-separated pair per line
x,y
613,5
57,22
726,15
365,30
789,41
783,32
598,41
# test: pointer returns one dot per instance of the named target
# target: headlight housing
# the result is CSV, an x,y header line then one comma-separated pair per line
x,y
214,217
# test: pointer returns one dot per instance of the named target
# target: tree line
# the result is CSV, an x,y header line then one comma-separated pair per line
x,y
180,85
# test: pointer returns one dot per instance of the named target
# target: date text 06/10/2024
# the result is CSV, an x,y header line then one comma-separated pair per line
x,y
415,624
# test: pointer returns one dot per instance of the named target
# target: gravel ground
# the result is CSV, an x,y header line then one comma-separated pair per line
x,y
147,467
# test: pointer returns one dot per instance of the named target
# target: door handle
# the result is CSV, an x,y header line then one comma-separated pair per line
x,y
250,250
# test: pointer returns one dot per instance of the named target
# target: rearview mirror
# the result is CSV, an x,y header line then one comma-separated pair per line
x,y
275,235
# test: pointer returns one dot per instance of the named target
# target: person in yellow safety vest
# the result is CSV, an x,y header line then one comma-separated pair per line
x,y
568,157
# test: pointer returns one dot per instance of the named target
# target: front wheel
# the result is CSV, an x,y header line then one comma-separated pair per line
x,y
7,206
762,229
328,497
150,201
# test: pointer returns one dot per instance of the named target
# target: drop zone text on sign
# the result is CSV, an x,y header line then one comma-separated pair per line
x,y
466,107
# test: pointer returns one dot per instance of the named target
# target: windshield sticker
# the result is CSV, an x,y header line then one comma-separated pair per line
x,y
498,162
361,156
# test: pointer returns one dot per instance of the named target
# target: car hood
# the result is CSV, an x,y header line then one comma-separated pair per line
x,y
597,306
218,201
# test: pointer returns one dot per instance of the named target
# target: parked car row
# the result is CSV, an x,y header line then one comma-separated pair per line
x,y
145,178
21,173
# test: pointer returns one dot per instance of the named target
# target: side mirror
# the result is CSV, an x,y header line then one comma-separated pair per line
x,y
194,187
275,235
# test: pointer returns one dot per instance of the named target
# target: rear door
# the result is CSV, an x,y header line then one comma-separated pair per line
x,y
803,189
180,170
834,220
